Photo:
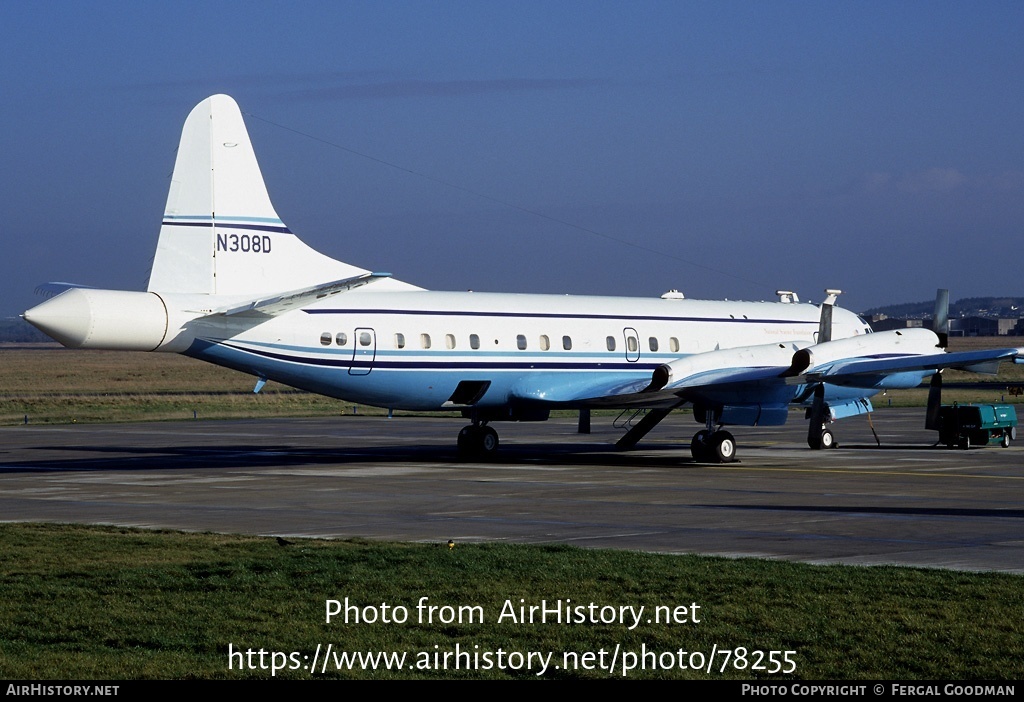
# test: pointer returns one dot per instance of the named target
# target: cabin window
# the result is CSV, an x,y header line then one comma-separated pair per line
x,y
673,344
425,340
474,341
611,343
567,343
545,342
632,344
449,341
325,338
364,338
399,341
521,342
341,339
654,343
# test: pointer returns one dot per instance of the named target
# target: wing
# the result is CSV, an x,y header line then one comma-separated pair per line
x,y
294,299
867,372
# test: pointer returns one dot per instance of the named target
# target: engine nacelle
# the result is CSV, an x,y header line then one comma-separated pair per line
x,y
903,342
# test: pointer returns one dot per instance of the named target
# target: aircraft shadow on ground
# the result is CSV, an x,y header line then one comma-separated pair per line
x,y
135,458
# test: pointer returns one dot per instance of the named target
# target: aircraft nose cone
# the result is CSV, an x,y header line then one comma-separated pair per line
x,y
66,318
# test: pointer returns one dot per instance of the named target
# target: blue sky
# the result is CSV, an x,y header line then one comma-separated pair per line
x,y
726,149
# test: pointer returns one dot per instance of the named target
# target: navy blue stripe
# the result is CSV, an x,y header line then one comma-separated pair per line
x,y
221,225
555,315
444,365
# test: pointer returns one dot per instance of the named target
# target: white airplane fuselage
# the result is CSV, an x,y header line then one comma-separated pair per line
x,y
409,350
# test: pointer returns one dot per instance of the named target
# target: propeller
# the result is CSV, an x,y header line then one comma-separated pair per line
x,y
940,325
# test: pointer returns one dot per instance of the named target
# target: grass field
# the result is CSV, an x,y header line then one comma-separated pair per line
x,y
105,603
52,385
48,384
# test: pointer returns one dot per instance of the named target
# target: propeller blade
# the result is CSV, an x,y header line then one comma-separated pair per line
x,y
940,320
940,325
825,322
931,415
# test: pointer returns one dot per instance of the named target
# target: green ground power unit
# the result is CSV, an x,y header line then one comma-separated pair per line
x,y
964,426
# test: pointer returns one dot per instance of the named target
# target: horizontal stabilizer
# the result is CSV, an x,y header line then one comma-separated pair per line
x,y
286,302
54,289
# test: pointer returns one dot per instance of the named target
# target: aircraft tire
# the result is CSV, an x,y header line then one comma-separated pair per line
x,y
814,441
468,441
487,442
477,442
828,439
699,446
723,447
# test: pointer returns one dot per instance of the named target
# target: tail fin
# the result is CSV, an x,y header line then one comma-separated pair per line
x,y
220,233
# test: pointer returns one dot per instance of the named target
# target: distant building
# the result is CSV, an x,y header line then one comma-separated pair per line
x,y
890,323
958,326
984,326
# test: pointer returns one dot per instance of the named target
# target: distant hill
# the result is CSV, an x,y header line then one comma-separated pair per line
x,y
967,307
16,329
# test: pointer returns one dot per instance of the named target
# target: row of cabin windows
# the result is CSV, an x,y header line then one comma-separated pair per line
x,y
633,344
366,339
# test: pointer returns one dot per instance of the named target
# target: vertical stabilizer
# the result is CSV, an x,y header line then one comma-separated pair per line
x,y
220,233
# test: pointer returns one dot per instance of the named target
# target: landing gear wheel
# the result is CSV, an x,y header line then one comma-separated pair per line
x,y
466,441
488,442
723,447
477,442
825,440
700,447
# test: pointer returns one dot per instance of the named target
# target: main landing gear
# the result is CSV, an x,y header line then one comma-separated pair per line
x,y
713,446
478,441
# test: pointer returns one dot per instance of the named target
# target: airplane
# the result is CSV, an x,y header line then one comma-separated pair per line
x,y
232,285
